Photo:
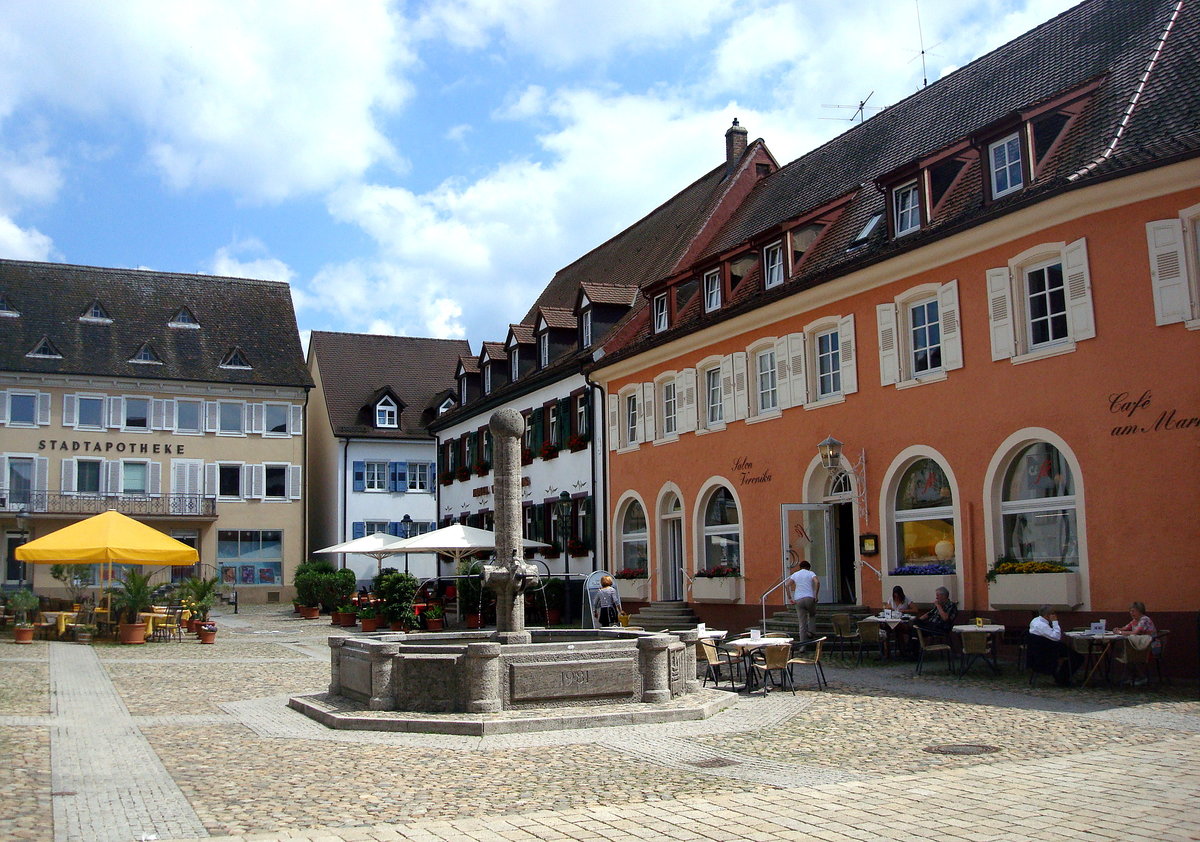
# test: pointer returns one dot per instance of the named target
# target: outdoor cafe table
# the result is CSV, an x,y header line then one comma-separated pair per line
x,y
711,634
746,645
990,629
889,626
61,618
1098,650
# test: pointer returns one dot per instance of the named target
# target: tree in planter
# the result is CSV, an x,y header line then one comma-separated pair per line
x,y
21,603
335,589
76,578
134,597
198,595
397,591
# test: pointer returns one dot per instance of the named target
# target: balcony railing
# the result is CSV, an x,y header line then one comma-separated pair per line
x,y
52,502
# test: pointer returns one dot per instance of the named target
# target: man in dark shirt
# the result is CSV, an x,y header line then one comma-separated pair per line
x,y
941,617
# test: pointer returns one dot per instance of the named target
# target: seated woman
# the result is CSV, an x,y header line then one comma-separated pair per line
x,y
1140,622
900,602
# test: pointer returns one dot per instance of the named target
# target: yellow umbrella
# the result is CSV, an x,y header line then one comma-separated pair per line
x,y
108,538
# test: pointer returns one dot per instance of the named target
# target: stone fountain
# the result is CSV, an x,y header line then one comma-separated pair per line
x,y
571,677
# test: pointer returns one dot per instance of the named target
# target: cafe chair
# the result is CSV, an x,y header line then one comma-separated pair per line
x,y
1135,660
716,660
844,636
924,647
46,629
806,658
171,626
974,647
872,635
84,617
1045,657
772,661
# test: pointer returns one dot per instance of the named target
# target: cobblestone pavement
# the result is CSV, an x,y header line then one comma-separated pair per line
x,y
179,740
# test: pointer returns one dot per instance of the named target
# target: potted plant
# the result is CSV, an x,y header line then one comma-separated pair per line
x,y
346,616
84,634
446,477
197,596
207,632
633,583
369,618
719,583
1014,584
21,603
463,473
133,598
577,548
482,467
577,442
435,617
549,450
396,591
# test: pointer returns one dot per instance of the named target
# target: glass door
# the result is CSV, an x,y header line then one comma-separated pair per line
x,y
672,574
808,536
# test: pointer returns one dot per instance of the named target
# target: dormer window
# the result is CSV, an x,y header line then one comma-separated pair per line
x,y
906,208
543,341
773,265
45,350
145,354
235,359
445,406
385,413
585,321
1004,161
487,378
660,313
712,290
183,318
7,309
513,366
462,389
96,314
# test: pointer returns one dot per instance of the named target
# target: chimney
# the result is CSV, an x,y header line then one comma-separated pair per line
x,y
735,146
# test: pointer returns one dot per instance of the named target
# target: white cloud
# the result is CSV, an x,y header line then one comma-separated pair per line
x,y
18,243
227,263
261,99
28,176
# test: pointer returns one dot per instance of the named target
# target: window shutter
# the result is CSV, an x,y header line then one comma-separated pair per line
x,y
257,413
951,326
68,409
589,521
115,413
179,477
783,382
727,401
564,422
43,407
295,481
358,529
4,476
537,419
398,476
194,485
999,287
360,476
685,400
41,482
155,485
210,416
156,414
889,354
112,477
741,396
245,482
245,417
797,368
104,478
646,412
296,428
3,420
255,481
849,355
1079,290
67,484
1168,272
210,479
614,414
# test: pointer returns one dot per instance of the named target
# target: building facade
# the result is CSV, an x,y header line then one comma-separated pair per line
x,y
538,370
372,463
988,294
176,399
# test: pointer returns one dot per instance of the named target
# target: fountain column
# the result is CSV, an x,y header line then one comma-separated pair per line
x,y
508,576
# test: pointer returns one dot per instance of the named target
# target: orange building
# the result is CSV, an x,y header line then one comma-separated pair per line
x,y
988,293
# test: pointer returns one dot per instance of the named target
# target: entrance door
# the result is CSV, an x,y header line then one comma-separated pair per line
x,y
14,573
844,553
672,557
808,535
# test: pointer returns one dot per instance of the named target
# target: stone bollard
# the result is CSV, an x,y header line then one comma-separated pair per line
x,y
655,667
689,637
483,678
382,673
335,665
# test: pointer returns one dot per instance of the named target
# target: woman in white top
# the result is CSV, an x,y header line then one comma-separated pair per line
x,y
899,601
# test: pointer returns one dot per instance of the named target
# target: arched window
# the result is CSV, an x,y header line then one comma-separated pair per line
x,y
634,536
1038,507
925,517
839,485
722,535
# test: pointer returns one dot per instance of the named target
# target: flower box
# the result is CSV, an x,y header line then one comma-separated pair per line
x,y
920,589
1033,590
577,443
634,590
718,588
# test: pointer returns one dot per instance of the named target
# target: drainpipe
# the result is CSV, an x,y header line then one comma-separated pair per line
x,y
343,495
598,506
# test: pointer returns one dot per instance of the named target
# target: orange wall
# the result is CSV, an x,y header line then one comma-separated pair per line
x,y
1142,491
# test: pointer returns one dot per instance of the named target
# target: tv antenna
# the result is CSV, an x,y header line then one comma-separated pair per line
x,y
858,109
921,42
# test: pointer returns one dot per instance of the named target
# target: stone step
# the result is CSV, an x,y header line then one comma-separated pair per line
x,y
664,615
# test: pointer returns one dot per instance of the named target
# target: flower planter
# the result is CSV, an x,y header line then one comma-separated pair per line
x,y
22,634
310,612
437,624
634,590
718,588
83,638
920,589
474,621
349,619
207,635
1033,590
132,633
370,624
396,626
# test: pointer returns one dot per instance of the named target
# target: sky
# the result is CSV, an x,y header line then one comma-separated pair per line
x,y
422,168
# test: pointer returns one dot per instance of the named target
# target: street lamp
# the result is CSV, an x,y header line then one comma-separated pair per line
x,y
406,525
562,511
23,532
830,452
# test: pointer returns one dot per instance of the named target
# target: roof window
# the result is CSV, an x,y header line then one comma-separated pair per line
x,y
45,349
7,309
183,318
235,359
866,232
145,354
95,314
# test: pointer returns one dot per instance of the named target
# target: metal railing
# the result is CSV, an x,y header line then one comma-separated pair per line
x,y
53,502
762,601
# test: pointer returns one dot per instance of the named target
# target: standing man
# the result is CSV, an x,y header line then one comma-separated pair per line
x,y
803,587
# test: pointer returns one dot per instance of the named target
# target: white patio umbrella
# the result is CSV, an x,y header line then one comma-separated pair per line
x,y
456,541
377,545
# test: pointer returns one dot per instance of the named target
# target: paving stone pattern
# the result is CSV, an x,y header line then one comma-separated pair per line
x,y
183,741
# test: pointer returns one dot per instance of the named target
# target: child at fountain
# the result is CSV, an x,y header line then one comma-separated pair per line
x,y
608,601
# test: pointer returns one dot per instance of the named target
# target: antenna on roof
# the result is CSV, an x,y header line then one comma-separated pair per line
x,y
858,109
921,41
